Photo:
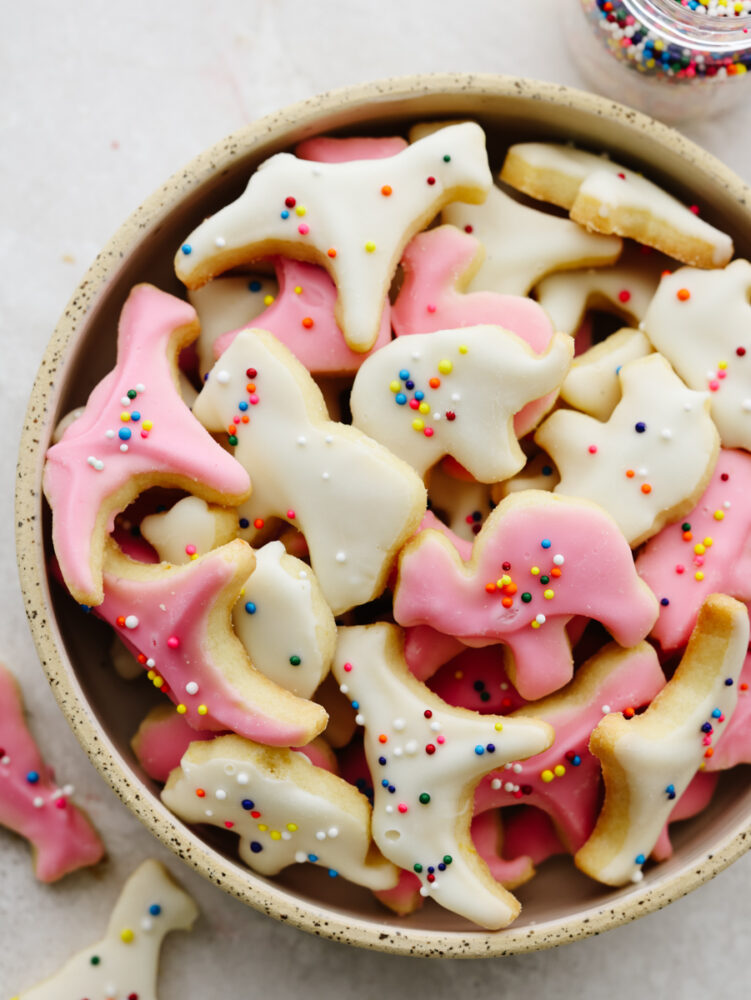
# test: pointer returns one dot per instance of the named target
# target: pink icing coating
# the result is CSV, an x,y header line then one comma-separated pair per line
x,y
176,451
477,679
172,613
330,149
573,800
668,562
405,897
697,796
305,321
436,264
597,580
487,836
734,746
528,831
62,837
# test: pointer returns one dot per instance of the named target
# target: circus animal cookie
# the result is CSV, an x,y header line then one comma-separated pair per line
x,y
608,198
649,463
701,322
706,553
178,621
438,265
188,530
538,474
625,289
455,392
354,501
475,679
464,504
539,559
522,244
487,836
283,809
734,746
564,781
284,623
425,758
124,962
225,304
136,432
592,384
31,802
694,800
648,761
353,218
302,317
332,149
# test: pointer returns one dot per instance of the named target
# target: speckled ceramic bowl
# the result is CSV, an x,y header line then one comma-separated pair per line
x,y
559,904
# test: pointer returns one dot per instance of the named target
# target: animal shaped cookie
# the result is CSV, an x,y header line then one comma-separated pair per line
x,y
608,198
188,530
124,962
335,149
701,322
353,218
539,473
464,504
707,552
523,244
540,559
592,384
425,758
734,745
354,501
648,761
649,463
455,392
302,317
438,265
32,803
564,780
136,432
177,620
283,809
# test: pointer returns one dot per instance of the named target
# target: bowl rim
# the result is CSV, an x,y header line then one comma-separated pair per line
x,y
269,898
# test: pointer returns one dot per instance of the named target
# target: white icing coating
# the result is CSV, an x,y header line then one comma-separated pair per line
x,y
189,529
649,462
354,218
284,623
227,304
523,244
444,753
345,492
463,504
701,332
592,384
284,810
473,381
124,962
658,753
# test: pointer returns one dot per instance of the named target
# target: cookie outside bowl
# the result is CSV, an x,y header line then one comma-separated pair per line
x,y
560,905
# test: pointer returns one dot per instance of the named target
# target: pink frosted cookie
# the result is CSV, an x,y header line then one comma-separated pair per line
x,y
487,836
178,620
32,803
694,800
477,679
353,218
528,832
332,149
136,432
302,317
706,552
734,745
463,504
438,266
539,560
565,780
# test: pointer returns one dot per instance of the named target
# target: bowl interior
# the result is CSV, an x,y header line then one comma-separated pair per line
x,y
104,710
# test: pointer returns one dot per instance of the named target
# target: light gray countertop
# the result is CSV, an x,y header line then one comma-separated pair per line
x,y
98,105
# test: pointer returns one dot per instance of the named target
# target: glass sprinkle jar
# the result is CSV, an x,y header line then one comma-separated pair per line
x,y
675,59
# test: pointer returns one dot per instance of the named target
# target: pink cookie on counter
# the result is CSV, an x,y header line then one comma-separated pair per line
x,y
32,803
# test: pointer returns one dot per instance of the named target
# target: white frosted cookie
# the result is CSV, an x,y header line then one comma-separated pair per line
x,y
283,808
649,760
426,758
355,502
592,384
124,963
608,198
353,218
284,623
701,322
227,304
652,459
625,290
455,392
523,244
189,529
463,504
